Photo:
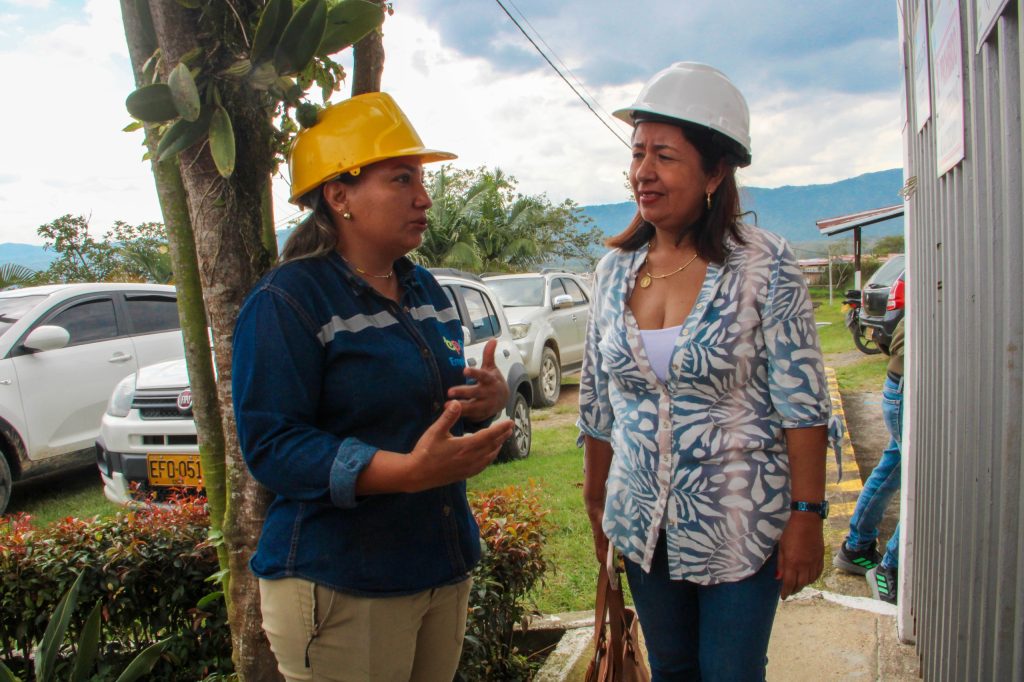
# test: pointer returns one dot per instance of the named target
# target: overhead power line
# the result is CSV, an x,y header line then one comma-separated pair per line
x,y
560,74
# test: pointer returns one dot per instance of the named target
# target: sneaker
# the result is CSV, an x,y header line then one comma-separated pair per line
x,y
882,581
858,561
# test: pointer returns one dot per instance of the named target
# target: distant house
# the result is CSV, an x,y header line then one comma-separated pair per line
x,y
815,270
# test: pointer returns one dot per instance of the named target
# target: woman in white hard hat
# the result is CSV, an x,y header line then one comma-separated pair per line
x,y
703,401
352,403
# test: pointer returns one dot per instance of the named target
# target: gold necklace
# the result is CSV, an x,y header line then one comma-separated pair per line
x,y
364,273
647,278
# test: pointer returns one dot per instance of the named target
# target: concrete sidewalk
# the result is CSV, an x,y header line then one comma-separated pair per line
x,y
819,635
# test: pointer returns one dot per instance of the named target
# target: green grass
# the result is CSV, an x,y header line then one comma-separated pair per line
x,y
555,466
77,492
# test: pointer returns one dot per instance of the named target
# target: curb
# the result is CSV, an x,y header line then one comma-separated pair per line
x,y
841,494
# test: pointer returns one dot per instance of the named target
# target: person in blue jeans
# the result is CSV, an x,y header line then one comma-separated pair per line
x,y
859,553
704,412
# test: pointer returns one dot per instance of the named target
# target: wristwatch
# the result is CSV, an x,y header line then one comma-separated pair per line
x,y
819,508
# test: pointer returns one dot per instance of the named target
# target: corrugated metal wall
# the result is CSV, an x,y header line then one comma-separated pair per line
x,y
964,557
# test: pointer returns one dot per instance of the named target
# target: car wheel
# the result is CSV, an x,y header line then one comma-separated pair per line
x,y
548,383
518,444
5,483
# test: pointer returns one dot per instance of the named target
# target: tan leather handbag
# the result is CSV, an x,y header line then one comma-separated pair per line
x,y
617,656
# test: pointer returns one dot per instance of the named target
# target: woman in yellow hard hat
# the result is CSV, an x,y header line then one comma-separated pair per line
x,y
353,408
703,399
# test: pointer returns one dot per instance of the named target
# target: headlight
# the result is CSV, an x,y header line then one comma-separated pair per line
x,y
520,330
121,400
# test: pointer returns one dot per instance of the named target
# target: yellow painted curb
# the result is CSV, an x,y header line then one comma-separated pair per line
x,y
841,495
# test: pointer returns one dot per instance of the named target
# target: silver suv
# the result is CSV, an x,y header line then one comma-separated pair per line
x,y
148,437
548,312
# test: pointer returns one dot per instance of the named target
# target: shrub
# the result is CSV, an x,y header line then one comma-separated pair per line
x,y
147,567
512,527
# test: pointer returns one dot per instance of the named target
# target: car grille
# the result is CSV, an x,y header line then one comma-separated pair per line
x,y
159,404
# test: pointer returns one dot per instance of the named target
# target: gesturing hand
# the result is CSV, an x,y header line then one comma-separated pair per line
x,y
488,394
439,458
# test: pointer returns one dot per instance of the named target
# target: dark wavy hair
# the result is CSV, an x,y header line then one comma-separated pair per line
x,y
715,226
316,235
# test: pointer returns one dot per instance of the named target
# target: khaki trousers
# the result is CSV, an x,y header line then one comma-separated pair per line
x,y
319,634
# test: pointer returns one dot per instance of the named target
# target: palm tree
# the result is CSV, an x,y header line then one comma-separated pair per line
x,y
13,276
453,221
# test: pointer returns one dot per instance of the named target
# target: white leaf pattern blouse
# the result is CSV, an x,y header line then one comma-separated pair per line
x,y
703,455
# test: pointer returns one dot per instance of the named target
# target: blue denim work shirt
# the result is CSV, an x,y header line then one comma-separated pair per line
x,y
325,372
703,455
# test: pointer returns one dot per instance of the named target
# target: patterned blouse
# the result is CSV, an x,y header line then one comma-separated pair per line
x,y
703,455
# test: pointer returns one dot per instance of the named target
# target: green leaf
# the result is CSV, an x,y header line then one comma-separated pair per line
x,y
301,38
209,599
132,127
49,647
182,135
152,103
184,92
144,662
6,675
274,18
347,23
222,142
88,646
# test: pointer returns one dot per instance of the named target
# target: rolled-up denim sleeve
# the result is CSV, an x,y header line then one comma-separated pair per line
x,y
596,416
277,369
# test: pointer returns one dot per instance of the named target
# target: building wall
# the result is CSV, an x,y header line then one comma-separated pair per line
x,y
962,566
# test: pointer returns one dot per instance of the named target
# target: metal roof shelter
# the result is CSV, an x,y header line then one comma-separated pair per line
x,y
829,227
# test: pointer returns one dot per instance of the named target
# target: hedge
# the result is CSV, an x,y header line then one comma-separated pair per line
x,y
149,567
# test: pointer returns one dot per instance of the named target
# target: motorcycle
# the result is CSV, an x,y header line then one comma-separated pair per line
x,y
861,335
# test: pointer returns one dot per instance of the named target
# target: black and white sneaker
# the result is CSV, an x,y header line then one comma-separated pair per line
x,y
858,561
882,581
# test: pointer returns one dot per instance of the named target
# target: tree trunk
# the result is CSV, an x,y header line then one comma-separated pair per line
x,y
368,61
228,221
191,311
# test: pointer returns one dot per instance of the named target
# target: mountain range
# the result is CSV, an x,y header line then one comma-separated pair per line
x,y
790,211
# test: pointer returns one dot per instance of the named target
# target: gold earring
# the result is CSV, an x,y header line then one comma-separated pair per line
x,y
346,215
709,201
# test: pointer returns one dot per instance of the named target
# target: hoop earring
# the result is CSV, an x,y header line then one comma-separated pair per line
x,y
709,200
348,216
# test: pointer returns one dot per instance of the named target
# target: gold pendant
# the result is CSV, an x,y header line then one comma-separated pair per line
x,y
645,281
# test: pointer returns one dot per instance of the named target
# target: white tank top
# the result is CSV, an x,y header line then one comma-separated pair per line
x,y
658,344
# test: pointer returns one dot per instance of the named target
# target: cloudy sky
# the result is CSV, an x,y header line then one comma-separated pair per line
x,y
821,77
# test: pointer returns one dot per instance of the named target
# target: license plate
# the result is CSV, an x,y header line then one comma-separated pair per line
x,y
174,470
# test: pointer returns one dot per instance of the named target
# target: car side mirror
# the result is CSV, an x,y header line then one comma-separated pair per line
x,y
467,336
561,301
46,337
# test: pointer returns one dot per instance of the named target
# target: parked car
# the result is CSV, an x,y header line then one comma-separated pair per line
x,y
148,436
548,311
63,348
876,317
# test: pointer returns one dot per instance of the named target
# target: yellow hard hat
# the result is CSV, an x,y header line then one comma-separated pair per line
x,y
351,135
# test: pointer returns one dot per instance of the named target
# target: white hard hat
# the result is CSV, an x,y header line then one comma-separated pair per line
x,y
695,93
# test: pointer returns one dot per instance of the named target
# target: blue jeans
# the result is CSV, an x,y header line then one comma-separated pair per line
x,y
883,482
714,633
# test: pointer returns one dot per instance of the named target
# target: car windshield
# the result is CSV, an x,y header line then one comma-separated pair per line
x,y
889,271
11,309
519,291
